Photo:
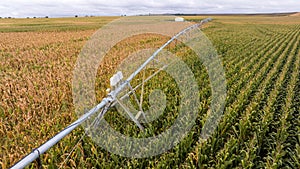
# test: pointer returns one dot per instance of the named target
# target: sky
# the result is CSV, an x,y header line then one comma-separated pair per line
x,y
61,8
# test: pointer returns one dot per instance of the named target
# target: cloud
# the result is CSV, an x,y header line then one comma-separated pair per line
x,y
24,8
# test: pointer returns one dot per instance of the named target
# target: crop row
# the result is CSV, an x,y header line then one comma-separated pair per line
x,y
241,109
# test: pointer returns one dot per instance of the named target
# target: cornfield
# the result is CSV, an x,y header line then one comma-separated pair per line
x,y
259,128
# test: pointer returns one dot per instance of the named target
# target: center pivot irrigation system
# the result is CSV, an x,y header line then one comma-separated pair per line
x,y
117,85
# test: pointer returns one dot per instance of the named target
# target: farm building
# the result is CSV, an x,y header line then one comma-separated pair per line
x,y
179,19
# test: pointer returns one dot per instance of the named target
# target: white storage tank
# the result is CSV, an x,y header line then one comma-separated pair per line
x,y
179,19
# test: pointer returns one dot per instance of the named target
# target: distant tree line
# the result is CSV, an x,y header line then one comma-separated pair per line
x,y
9,17
34,17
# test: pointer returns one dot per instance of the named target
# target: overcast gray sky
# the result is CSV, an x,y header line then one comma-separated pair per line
x,y
54,8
